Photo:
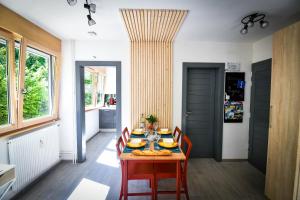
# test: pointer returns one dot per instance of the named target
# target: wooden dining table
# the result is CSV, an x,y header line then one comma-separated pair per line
x,y
175,158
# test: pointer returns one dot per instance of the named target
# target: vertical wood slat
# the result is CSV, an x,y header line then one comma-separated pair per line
x,y
151,33
281,179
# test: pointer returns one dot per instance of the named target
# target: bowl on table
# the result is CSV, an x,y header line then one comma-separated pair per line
x,y
167,143
136,143
138,131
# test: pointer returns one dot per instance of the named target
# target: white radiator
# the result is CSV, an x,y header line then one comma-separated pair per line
x,y
33,154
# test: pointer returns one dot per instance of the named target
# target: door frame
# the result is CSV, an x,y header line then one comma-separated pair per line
x,y
219,101
251,120
80,111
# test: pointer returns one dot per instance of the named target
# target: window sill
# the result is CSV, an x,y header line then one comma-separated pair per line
x,y
27,129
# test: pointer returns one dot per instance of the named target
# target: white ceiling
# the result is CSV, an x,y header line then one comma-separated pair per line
x,y
208,20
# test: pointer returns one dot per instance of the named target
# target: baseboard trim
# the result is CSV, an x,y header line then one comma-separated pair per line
x,y
108,130
234,160
66,155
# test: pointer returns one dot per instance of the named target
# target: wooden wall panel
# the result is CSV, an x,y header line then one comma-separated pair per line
x,y
15,23
151,33
284,114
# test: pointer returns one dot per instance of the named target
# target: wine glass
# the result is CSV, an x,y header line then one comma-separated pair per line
x,y
155,126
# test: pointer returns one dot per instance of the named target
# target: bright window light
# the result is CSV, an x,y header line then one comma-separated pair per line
x,y
90,190
109,158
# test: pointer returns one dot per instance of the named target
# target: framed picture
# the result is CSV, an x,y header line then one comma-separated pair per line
x,y
235,86
233,112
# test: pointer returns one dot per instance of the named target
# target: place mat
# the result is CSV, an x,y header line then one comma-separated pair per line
x,y
129,150
174,150
137,136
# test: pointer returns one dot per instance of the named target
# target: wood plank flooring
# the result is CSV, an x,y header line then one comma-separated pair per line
x,y
208,179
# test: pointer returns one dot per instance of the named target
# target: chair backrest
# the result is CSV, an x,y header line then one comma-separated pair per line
x,y
120,145
177,134
186,146
125,134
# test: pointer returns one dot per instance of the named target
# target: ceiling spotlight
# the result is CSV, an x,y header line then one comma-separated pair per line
x,y
72,2
92,33
264,24
91,7
250,24
91,22
250,20
244,30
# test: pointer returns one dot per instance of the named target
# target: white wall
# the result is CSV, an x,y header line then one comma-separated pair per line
x,y
110,81
235,136
262,49
67,102
91,123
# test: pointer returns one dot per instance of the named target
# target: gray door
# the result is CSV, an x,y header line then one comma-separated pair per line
x,y
259,110
200,115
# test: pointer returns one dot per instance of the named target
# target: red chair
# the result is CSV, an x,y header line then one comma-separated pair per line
x,y
136,171
168,170
177,134
125,135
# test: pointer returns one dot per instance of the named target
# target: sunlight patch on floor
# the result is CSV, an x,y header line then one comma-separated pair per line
x,y
90,190
109,158
112,145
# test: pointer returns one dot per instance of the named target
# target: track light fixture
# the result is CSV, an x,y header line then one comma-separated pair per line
x,y
92,9
91,22
250,20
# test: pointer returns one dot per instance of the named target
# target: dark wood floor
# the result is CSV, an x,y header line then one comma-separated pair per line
x,y
207,179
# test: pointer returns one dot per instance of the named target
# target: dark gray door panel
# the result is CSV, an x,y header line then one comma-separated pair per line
x,y
259,108
200,107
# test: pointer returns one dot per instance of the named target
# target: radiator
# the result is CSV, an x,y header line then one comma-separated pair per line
x,y
33,154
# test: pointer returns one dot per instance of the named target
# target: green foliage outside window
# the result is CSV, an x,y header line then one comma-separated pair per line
x,y
36,97
36,94
3,84
88,84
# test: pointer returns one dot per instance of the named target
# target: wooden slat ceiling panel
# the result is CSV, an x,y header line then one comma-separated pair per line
x,y
153,25
151,33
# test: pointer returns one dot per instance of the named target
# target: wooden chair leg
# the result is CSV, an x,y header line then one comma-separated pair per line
x,y
155,185
186,189
121,190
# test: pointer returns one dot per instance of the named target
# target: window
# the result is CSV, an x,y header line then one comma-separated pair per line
x,y
4,83
100,90
88,88
37,92
28,83
94,88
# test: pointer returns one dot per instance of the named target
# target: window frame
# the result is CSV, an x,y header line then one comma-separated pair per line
x,y
15,92
95,78
12,87
25,43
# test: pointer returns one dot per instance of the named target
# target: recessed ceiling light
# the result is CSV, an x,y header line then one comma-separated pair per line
x,y
92,33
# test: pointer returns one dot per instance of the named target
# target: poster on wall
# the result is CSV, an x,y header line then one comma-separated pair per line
x,y
233,112
235,86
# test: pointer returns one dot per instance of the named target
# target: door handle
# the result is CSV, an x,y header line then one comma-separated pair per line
x,y
187,114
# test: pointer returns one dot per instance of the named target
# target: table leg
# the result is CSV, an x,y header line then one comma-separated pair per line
x,y
125,180
178,174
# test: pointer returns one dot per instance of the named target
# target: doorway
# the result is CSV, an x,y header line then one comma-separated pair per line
x,y
81,101
202,108
259,112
